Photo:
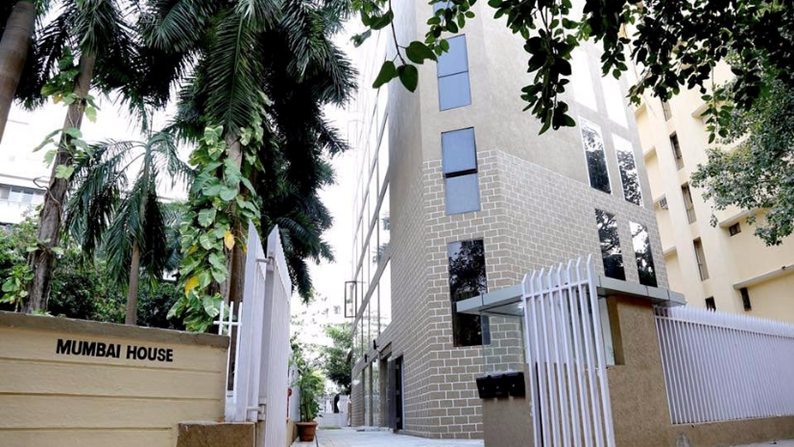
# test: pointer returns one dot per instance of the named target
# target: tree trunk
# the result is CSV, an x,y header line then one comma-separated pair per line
x,y
13,54
132,292
48,233
232,289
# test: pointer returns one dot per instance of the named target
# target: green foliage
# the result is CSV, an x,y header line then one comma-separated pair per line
x,y
336,359
311,386
15,244
217,218
757,173
677,43
282,69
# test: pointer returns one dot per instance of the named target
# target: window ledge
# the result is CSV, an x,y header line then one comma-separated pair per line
x,y
784,270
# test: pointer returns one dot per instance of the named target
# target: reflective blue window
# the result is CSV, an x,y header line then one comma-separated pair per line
x,y
458,150
463,194
453,75
459,159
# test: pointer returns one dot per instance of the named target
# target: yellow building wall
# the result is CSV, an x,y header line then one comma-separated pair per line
x,y
732,260
59,399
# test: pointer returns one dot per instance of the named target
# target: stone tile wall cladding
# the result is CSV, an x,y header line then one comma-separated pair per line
x,y
531,217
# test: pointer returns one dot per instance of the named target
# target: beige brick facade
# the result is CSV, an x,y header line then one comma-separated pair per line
x,y
536,209
531,217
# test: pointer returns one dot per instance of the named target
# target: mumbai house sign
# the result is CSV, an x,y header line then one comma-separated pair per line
x,y
113,350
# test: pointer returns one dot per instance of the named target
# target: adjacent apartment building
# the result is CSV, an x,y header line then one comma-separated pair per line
x,y
724,267
23,175
458,195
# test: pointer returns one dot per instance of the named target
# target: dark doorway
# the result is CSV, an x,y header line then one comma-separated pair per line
x,y
395,395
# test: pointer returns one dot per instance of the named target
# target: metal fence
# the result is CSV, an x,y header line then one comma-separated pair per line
x,y
721,366
565,356
259,378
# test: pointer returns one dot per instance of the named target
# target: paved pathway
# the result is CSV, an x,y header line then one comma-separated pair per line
x,y
348,437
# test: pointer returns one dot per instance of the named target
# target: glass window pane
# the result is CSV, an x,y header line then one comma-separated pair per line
x,y
383,155
458,151
642,251
384,288
610,245
583,89
596,158
4,191
453,91
376,393
463,194
384,220
615,102
628,170
455,60
467,279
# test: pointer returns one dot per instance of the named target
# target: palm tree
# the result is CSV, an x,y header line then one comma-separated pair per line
x,y
131,224
251,49
17,26
111,59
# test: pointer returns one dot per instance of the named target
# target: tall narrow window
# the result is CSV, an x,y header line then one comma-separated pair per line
x,y
467,279
666,111
627,165
679,158
595,155
453,75
711,304
746,299
688,203
610,245
582,81
459,158
642,251
614,99
700,256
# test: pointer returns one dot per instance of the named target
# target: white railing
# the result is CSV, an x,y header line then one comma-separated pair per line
x,y
721,366
565,357
260,382
226,326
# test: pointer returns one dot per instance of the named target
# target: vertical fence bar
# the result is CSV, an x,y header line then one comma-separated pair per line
x,y
602,364
530,360
747,357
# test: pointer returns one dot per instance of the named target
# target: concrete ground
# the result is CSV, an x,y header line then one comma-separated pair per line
x,y
349,437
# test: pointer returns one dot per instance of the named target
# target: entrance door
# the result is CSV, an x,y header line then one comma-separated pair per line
x,y
395,395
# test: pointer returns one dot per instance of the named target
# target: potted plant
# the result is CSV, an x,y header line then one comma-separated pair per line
x,y
311,386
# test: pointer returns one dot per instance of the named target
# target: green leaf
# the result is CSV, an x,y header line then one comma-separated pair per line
x,y
381,22
359,39
387,72
218,261
409,76
49,156
73,132
90,113
47,140
228,193
418,52
206,216
63,171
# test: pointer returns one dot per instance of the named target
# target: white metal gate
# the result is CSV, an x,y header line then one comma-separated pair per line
x,y
565,357
261,367
720,366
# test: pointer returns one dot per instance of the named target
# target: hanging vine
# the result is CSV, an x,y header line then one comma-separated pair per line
x,y
222,202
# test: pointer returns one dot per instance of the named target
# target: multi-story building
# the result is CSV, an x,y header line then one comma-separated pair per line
x,y
23,176
459,194
726,266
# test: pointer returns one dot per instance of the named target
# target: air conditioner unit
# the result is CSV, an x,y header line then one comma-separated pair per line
x,y
663,203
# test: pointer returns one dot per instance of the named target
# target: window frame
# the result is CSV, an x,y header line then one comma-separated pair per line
x,y
462,173
582,122
467,71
